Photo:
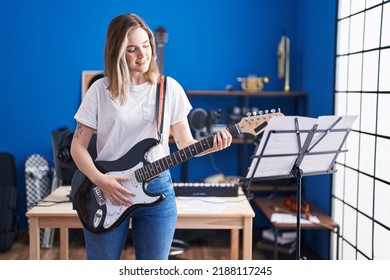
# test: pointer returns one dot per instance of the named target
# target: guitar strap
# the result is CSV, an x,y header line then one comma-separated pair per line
x,y
160,102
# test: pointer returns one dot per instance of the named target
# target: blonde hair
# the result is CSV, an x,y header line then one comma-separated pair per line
x,y
115,66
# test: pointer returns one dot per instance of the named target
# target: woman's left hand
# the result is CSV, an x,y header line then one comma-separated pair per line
x,y
222,140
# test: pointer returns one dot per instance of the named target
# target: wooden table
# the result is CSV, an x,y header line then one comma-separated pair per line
x,y
269,206
234,213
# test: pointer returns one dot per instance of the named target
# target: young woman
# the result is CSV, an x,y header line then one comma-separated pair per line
x,y
121,109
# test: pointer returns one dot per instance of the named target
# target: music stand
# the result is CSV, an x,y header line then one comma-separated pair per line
x,y
293,147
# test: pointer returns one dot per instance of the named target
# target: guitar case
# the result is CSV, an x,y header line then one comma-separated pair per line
x,y
37,177
8,202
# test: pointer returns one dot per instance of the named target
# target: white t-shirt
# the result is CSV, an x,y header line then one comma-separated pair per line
x,y
119,128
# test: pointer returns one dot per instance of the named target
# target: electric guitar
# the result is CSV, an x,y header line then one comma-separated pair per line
x,y
98,214
161,40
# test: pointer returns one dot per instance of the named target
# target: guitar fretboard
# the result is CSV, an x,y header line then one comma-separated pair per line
x,y
153,169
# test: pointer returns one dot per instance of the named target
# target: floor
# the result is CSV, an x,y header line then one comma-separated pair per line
x,y
200,245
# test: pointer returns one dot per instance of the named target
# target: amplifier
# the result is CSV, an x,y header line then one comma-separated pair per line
x,y
205,189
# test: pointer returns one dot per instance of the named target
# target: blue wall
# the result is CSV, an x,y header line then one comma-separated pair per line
x,y
45,45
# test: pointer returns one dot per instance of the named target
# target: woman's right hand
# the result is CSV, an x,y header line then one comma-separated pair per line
x,y
112,188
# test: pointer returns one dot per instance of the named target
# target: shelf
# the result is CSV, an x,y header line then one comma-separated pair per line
x,y
244,93
270,206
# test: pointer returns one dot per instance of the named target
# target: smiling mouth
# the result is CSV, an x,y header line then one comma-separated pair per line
x,y
141,63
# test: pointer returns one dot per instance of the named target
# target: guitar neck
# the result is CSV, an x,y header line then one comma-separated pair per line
x,y
160,58
153,169
161,40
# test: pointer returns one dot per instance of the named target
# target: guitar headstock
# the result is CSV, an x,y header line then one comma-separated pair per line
x,y
257,122
161,36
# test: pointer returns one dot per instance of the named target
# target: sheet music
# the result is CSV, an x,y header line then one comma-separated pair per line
x,y
331,141
279,155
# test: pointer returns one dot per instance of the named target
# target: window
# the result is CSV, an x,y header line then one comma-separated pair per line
x,y
361,187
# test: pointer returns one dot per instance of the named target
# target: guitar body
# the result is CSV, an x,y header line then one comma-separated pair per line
x,y
96,212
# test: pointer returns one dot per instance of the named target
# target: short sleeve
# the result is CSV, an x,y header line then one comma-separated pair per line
x,y
87,112
180,105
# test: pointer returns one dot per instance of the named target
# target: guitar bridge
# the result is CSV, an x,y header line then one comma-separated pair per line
x,y
99,196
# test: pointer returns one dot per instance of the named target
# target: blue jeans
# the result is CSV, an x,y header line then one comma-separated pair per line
x,y
152,227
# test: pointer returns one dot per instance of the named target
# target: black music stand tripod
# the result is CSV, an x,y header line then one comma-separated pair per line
x,y
282,155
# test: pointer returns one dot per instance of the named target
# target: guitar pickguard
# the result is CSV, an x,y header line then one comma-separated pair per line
x,y
114,212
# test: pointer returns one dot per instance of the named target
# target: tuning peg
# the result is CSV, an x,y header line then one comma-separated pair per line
x,y
279,110
254,113
261,112
273,110
266,111
248,114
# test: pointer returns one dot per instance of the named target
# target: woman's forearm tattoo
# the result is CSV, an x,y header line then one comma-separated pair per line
x,y
79,130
